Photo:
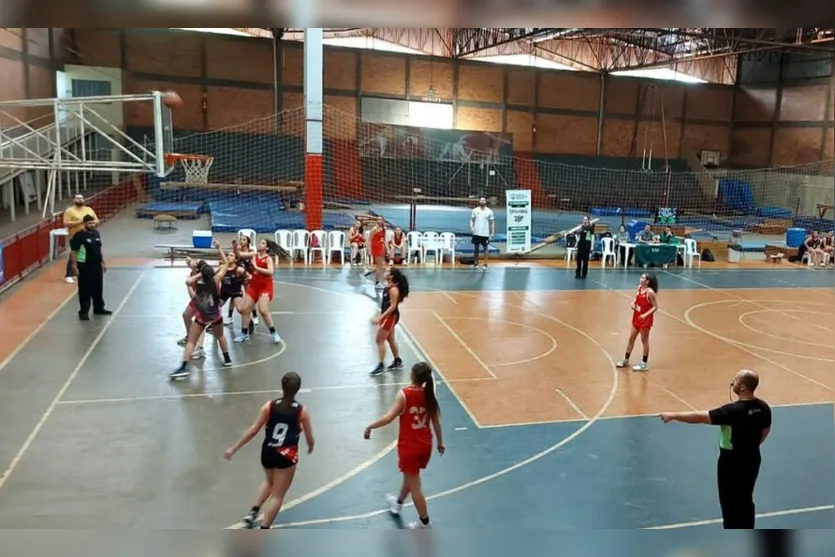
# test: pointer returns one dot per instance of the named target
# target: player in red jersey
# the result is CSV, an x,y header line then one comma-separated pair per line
x,y
643,311
378,252
260,292
417,407
283,422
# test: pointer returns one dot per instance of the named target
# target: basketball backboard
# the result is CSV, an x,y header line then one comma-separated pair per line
x,y
57,140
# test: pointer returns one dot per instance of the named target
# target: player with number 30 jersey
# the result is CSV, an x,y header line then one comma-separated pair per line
x,y
283,421
417,409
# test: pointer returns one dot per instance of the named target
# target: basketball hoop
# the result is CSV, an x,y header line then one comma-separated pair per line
x,y
196,166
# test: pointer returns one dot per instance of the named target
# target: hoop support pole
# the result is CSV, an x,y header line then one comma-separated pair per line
x,y
313,99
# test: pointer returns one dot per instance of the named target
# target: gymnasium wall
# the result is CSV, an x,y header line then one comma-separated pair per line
x,y
235,78
27,67
783,110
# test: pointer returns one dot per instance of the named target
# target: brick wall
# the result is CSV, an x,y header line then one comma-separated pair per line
x,y
783,125
28,70
548,112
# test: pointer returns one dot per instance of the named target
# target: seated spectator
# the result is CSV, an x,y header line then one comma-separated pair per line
x,y
829,246
356,237
397,247
814,249
646,236
621,239
667,237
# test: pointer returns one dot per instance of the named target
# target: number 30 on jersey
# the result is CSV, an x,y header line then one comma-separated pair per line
x,y
418,417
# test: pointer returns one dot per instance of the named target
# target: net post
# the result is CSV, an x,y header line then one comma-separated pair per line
x,y
313,84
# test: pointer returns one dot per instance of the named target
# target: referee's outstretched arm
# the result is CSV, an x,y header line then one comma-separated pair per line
x,y
687,417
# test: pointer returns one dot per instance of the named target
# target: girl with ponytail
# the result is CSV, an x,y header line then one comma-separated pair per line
x,y
417,407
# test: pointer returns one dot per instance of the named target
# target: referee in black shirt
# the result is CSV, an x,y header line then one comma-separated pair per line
x,y
88,266
744,426
585,244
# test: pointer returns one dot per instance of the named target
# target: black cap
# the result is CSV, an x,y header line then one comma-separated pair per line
x,y
89,218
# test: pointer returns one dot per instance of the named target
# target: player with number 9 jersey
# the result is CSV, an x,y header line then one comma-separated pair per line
x,y
283,421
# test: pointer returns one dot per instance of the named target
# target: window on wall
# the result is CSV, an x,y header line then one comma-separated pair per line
x,y
407,113
91,88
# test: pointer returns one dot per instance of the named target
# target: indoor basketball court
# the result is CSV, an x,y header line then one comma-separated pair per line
x,y
541,430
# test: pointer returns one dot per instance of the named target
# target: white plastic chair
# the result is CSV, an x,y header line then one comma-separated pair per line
x,y
284,238
336,244
807,257
301,241
318,244
249,233
431,242
569,254
608,252
691,252
447,241
414,244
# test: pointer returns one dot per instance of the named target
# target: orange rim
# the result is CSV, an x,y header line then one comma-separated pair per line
x,y
173,158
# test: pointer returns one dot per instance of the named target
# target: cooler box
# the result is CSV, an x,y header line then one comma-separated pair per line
x,y
202,238
795,237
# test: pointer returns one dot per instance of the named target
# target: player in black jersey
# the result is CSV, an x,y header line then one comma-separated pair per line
x,y
232,284
207,315
395,291
283,421
244,254
188,313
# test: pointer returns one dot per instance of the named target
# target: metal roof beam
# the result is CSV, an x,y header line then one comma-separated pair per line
x,y
470,40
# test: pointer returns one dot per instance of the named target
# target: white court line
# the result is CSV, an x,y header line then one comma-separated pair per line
x,y
521,464
347,476
466,347
428,290
66,386
647,378
183,396
36,330
745,347
162,315
218,394
738,345
523,325
740,298
414,344
790,512
756,316
330,485
571,403
631,416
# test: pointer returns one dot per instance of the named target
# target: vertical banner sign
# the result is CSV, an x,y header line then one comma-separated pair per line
x,y
518,221
2,273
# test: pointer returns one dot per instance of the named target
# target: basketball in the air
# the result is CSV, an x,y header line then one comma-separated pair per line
x,y
172,99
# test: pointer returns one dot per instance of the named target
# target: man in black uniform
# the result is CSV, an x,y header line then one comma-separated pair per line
x,y
89,267
744,426
585,243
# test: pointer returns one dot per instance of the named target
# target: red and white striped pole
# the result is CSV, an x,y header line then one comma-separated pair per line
x,y
314,109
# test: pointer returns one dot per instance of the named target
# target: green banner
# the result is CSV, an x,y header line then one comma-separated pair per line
x,y
655,254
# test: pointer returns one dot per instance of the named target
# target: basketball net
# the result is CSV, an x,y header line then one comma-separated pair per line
x,y
197,170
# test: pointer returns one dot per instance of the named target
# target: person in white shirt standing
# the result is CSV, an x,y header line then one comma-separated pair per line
x,y
483,227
